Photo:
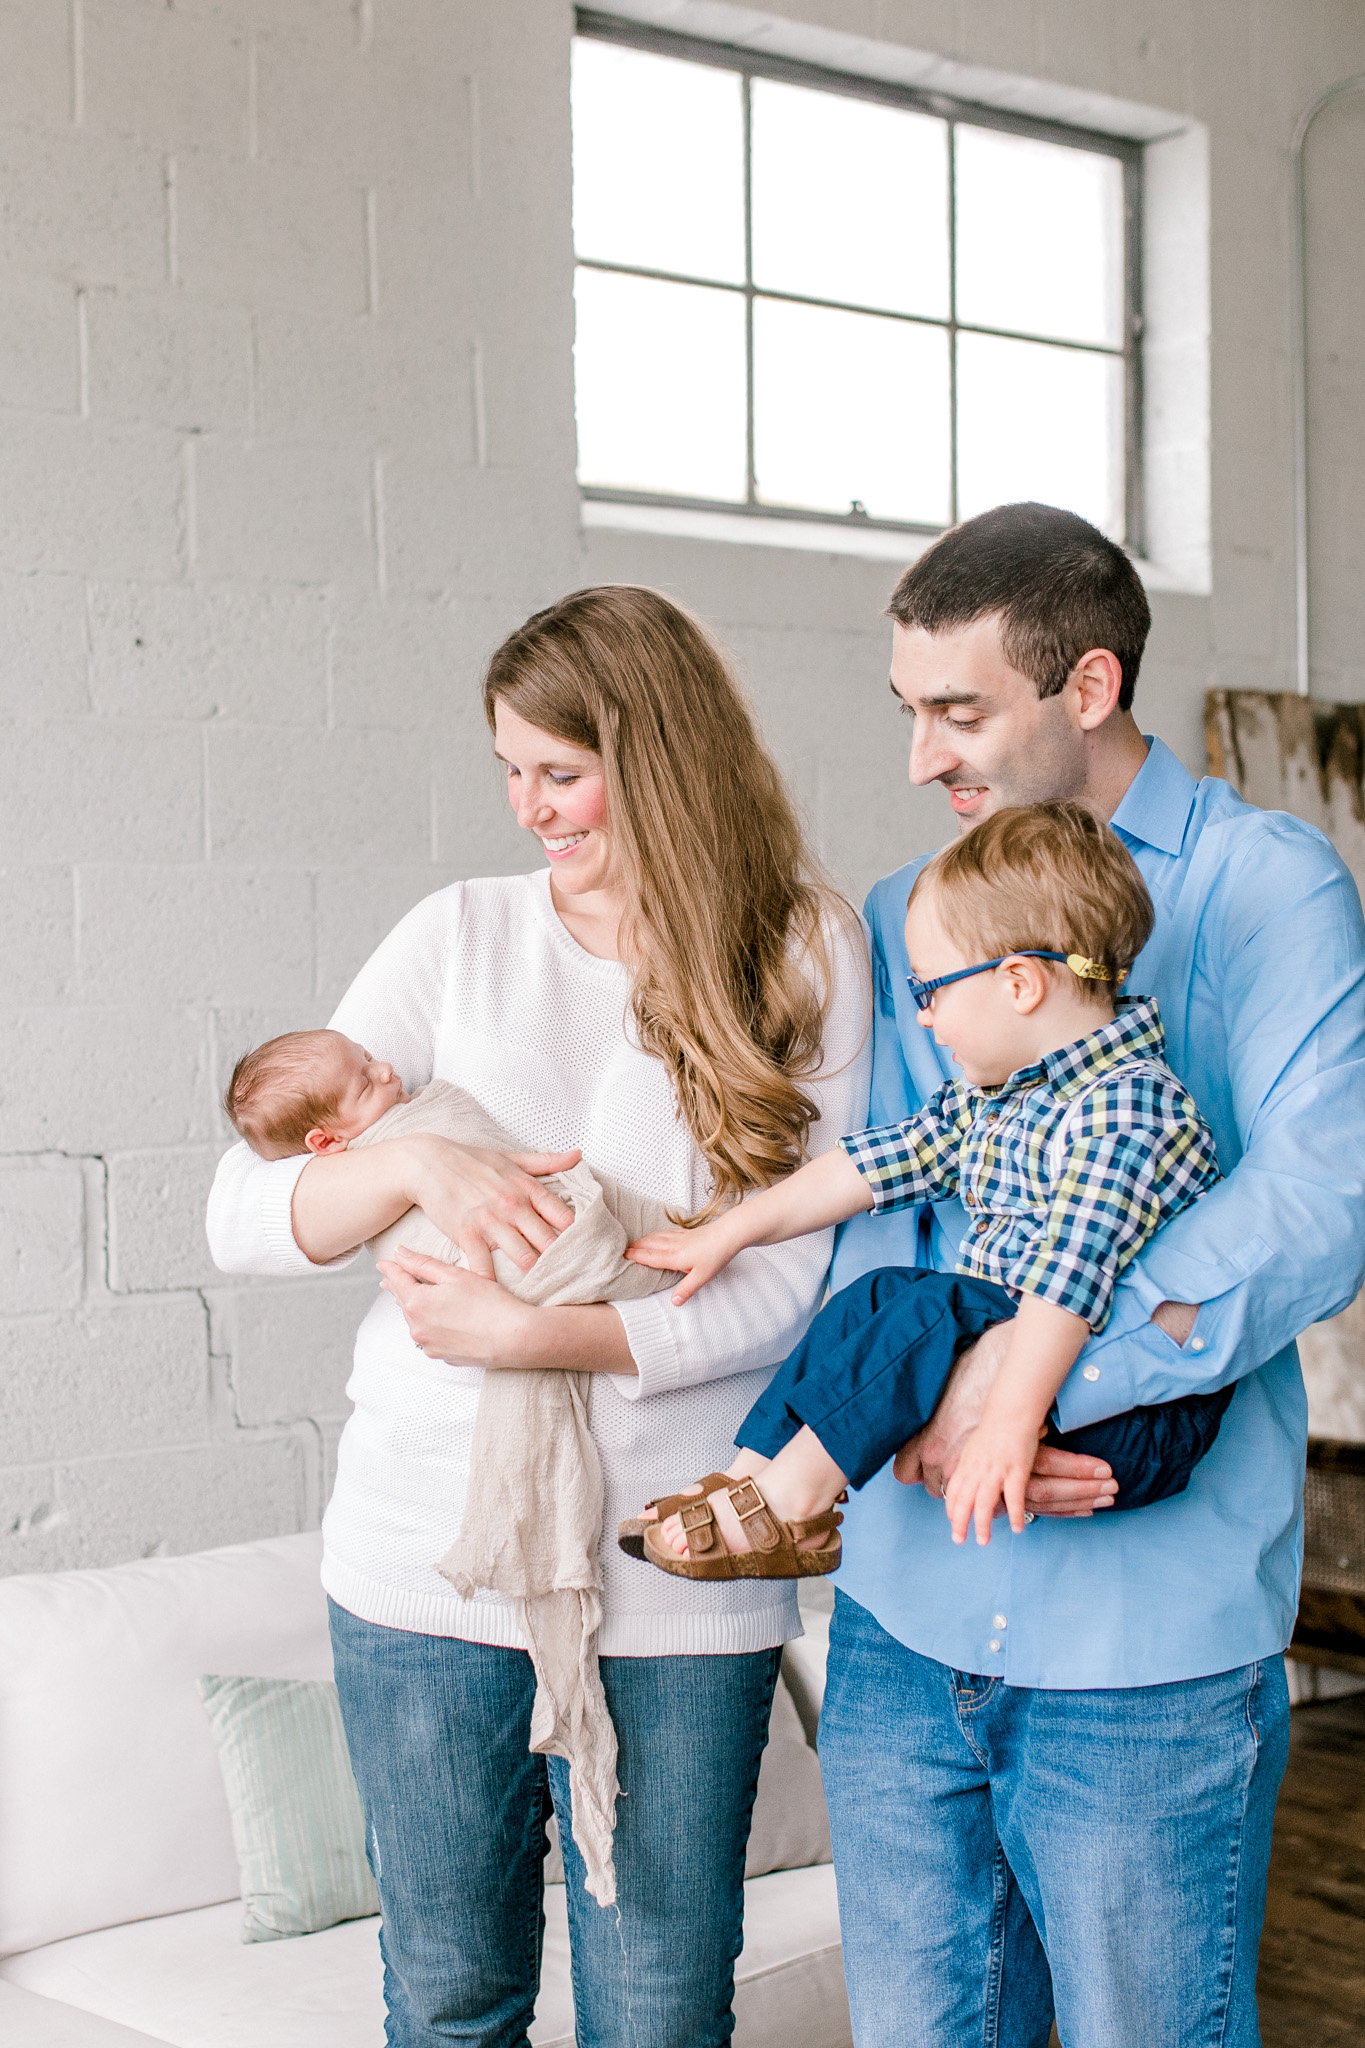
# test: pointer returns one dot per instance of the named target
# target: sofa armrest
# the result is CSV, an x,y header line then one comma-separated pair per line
x,y
50,2023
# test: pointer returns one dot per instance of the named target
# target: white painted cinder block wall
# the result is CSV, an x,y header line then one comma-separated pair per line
x,y
287,433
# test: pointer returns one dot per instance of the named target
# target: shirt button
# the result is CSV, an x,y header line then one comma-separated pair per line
x,y
999,1621
1196,1343
980,1223
1090,1372
994,1643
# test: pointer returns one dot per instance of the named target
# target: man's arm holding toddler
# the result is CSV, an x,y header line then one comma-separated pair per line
x,y
1280,1242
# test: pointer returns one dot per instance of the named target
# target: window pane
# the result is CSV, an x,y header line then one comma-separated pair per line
x,y
659,378
850,200
1039,422
658,162
1039,237
849,406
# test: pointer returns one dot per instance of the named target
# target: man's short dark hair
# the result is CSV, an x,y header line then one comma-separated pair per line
x,y
1059,586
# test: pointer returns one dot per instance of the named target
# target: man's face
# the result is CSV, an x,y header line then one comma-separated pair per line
x,y
981,729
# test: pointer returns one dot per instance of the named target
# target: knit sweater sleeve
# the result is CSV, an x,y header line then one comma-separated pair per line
x,y
756,1311
392,1008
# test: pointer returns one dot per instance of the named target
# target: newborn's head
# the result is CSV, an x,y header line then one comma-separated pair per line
x,y
310,1091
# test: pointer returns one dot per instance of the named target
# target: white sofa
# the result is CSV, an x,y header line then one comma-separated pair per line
x,y
120,1913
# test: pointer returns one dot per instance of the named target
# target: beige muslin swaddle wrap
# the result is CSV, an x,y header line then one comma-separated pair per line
x,y
533,1510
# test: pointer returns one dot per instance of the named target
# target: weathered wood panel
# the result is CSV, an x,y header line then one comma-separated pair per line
x,y
1289,753
1312,1977
1294,754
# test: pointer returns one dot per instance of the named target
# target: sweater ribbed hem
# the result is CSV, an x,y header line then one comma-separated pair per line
x,y
698,1635
626,1635
277,1219
421,1614
658,1369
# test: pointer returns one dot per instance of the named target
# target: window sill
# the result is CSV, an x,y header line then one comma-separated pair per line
x,y
683,522
811,536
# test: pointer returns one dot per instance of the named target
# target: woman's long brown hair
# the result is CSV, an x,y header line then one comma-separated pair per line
x,y
727,917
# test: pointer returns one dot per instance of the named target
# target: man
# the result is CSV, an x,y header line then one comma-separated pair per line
x,y
1052,1763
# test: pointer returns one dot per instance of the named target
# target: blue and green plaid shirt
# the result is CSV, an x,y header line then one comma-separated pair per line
x,y
1065,1170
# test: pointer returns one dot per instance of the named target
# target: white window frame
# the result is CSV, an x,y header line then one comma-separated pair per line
x,y
956,112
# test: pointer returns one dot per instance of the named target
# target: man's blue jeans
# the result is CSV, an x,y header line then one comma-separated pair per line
x,y
455,1813
996,1846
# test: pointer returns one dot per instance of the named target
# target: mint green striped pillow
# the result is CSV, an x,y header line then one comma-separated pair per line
x,y
296,1817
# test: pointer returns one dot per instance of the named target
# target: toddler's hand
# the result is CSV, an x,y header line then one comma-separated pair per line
x,y
699,1254
995,1464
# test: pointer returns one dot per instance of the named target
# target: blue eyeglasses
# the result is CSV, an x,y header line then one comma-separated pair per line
x,y
923,991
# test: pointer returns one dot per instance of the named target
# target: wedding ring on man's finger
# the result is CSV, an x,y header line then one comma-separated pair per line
x,y
1029,1516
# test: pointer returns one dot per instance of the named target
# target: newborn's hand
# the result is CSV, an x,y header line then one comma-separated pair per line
x,y
697,1254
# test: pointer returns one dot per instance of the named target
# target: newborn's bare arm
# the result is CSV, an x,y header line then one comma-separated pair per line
x,y
482,1200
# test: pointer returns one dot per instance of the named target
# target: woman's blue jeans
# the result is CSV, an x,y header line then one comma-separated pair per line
x,y
455,1813
997,1847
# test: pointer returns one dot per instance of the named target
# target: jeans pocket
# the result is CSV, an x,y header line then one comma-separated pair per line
x,y
1252,1691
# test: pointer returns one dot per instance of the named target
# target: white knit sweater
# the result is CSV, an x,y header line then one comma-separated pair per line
x,y
482,985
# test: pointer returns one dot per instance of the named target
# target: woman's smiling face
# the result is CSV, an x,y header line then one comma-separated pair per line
x,y
558,793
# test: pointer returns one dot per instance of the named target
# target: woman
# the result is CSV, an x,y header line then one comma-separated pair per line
x,y
679,998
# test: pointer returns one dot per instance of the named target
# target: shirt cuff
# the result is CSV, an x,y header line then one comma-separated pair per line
x,y
887,1164
1084,1291
649,1333
277,1220
1095,1389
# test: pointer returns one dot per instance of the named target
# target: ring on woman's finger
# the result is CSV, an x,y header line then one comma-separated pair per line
x,y
1029,1516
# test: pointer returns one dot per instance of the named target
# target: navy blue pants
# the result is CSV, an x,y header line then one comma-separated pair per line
x,y
868,1374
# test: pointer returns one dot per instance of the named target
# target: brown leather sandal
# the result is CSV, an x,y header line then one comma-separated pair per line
x,y
631,1534
775,1553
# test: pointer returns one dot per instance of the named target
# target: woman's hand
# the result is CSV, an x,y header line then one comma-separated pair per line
x,y
455,1315
490,1201
698,1254
467,1320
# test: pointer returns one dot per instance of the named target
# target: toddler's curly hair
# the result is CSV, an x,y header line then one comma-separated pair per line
x,y
1043,877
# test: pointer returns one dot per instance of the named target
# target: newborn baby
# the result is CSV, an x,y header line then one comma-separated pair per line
x,y
531,1522
318,1091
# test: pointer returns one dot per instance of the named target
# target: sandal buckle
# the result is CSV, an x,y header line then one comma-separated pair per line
x,y
750,1507
746,1500
697,1523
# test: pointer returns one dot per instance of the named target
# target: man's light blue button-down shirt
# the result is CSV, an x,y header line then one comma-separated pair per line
x,y
1257,961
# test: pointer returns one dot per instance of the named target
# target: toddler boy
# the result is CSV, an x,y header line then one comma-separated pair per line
x,y
1069,1141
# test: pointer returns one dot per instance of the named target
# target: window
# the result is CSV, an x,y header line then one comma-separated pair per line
x,y
817,297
